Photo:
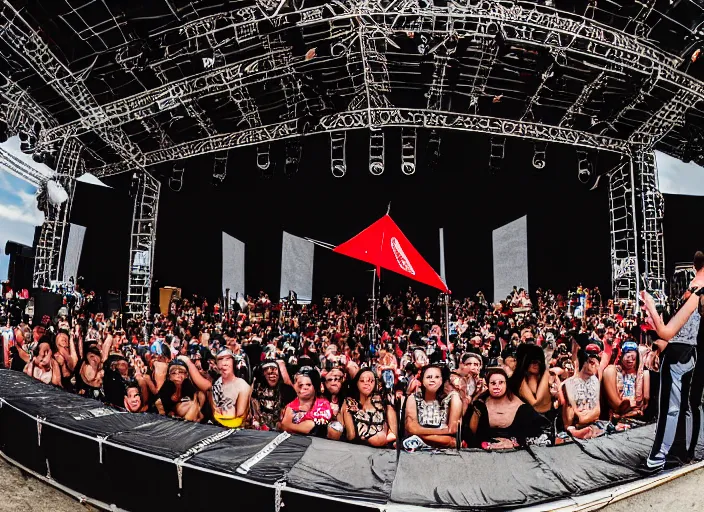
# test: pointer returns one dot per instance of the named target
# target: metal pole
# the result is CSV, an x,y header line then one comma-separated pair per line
x,y
227,305
372,331
635,230
447,318
442,256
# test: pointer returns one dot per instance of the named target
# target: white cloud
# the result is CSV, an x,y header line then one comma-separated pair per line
x,y
677,177
18,215
21,214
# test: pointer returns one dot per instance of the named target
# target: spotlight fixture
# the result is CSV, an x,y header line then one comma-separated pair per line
x,y
408,150
264,160
496,155
134,184
539,155
433,149
220,167
338,158
293,157
376,152
584,167
176,179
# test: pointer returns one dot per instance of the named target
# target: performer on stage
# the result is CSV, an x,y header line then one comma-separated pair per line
x,y
678,342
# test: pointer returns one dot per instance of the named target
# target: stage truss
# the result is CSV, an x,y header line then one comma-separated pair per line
x,y
366,40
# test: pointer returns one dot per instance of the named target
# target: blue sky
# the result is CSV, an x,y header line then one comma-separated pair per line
x,y
18,214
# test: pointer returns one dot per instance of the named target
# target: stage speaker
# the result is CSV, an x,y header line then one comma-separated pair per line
x,y
113,303
166,294
21,267
46,303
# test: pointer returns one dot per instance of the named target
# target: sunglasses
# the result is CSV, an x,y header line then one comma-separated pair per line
x,y
333,379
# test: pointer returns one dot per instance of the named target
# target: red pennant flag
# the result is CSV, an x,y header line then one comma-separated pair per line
x,y
384,245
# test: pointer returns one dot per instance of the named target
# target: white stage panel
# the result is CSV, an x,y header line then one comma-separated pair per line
x,y
74,248
232,265
297,267
510,244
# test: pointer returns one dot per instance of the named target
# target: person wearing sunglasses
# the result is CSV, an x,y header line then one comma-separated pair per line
x,y
627,384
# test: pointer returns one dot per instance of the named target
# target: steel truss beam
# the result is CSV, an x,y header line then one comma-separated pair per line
x,y
22,110
50,247
143,240
379,118
18,34
650,229
21,169
542,27
624,246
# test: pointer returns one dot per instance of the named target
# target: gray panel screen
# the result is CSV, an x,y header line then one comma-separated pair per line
x,y
74,247
232,265
510,243
297,267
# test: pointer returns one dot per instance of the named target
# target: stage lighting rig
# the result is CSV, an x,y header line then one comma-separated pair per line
x,y
176,179
539,155
264,160
338,157
294,150
376,152
408,150
433,149
496,155
584,167
220,167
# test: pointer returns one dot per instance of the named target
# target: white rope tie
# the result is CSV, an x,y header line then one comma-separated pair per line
x,y
278,487
39,431
194,450
179,472
100,447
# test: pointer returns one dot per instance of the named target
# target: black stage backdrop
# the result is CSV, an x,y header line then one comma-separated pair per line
x,y
568,224
107,215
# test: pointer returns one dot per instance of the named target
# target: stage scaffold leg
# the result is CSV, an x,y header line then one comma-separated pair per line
x,y
53,234
652,239
144,217
624,257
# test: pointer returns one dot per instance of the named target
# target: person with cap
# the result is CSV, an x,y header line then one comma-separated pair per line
x,y
581,407
229,395
678,346
627,384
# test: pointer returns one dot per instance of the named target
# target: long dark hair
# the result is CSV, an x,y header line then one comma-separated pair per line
x,y
496,371
314,377
353,389
344,387
444,374
526,353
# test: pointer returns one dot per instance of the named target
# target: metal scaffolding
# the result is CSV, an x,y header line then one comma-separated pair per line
x,y
650,228
142,241
462,56
50,246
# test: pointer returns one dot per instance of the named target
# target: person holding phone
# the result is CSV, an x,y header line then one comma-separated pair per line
x,y
678,344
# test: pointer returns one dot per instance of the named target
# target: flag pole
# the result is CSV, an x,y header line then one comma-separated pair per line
x,y
373,329
446,295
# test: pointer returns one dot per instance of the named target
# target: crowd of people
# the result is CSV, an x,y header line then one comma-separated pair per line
x,y
528,370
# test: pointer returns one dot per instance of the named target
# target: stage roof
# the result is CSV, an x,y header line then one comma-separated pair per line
x,y
142,83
